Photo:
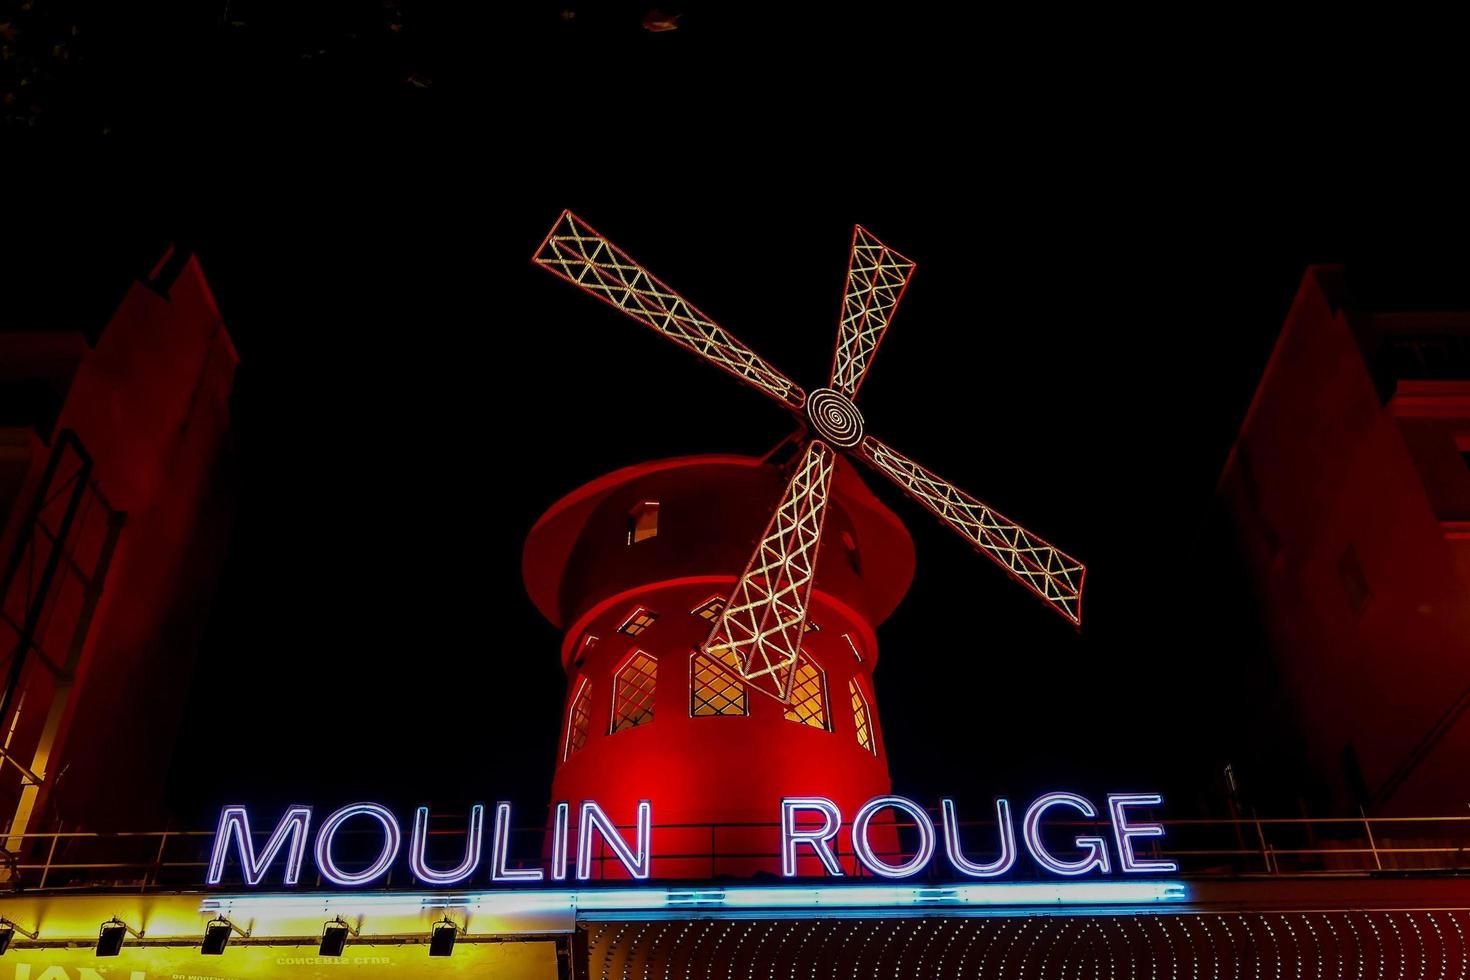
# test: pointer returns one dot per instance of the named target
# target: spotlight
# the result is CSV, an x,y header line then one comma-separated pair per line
x,y
8,930
110,937
334,937
442,937
217,936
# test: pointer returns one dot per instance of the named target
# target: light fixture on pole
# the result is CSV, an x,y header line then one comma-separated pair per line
x,y
217,936
8,930
110,937
443,935
334,936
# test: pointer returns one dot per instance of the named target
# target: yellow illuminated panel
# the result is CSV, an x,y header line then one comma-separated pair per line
x,y
715,690
808,695
501,960
633,689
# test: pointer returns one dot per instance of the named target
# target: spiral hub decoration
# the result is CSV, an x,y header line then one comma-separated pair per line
x,y
835,418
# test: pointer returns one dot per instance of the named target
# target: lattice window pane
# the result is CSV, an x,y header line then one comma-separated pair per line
x,y
579,720
643,522
639,621
860,720
633,692
714,687
709,610
808,696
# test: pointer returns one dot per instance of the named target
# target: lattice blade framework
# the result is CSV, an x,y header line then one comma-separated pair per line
x,y
765,617
876,277
1054,575
575,251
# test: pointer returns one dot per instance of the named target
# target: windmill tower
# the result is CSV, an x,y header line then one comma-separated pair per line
x,y
712,680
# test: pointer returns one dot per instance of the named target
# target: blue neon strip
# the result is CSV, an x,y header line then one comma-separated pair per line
x,y
873,899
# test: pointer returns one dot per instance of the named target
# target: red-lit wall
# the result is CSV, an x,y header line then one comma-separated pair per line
x,y
1347,504
149,404
589,578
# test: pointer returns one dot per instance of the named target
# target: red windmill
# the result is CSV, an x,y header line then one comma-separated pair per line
x,y
751,630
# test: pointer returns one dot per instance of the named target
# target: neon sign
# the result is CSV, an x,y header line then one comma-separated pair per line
x,y
810,824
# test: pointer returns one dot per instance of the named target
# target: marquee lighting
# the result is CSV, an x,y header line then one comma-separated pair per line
x,y
764,619
776,901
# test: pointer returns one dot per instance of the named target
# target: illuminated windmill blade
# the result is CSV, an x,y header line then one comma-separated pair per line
x,y
876,277
1052,574
575,251
766,615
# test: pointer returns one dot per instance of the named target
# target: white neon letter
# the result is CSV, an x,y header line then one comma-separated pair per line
x,y
820,838
392,839
594,819
864,848
964,865
1124,832
234,823
419,843
500,851
559,843
1096,847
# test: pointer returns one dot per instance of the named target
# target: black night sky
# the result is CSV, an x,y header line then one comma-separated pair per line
x,y
1106,248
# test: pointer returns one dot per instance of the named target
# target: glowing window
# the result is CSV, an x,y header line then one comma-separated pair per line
x,y
709,610
860,718
852,645
808,695
811,627
643,522
633,692
639,621
715,687
579,719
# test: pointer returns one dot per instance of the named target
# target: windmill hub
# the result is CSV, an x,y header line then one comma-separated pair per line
x,y
835,417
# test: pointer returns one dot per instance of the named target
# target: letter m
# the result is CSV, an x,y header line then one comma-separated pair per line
x,y
234,824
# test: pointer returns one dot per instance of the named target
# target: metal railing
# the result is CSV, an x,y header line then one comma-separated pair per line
x,y
173,860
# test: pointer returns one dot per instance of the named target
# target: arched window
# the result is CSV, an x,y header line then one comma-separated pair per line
x,y
579,719
633,686
861,719
715,687
808,695
643,521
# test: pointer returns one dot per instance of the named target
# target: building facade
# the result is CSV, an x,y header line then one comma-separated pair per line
x,y
113,518
1350,488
